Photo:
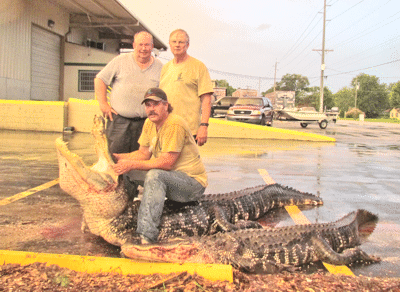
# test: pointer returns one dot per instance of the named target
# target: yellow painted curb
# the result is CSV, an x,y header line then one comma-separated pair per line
x,y
299,218
229,129
91,264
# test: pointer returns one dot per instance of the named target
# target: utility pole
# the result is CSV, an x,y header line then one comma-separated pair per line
x,y
321,95
276,63
355,99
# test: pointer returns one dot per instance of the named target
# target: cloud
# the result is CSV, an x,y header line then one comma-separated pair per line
x,y
263,26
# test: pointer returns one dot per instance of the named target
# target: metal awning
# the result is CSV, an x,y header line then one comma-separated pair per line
x,y
109,17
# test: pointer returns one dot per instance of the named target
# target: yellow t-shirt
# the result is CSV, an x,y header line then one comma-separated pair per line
x,y
175,136
184,83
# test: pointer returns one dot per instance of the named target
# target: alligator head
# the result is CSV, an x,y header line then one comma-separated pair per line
x,y
96,187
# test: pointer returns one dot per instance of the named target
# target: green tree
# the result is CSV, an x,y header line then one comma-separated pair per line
x,y
312,96
394,96
372,97
344,99
293,82
224,83
268,91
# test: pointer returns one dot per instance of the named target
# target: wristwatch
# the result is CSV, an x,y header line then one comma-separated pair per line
x,y
204,124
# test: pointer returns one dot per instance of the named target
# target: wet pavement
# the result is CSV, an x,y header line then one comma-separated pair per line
x,y
359,171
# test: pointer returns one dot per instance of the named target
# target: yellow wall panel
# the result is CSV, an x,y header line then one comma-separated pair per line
x,y
32,115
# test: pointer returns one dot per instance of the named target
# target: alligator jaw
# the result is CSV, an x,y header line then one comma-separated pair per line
x,y
97,188
100,176
71,163
185,251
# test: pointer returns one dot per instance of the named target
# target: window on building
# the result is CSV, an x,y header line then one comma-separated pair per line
x,y
86,80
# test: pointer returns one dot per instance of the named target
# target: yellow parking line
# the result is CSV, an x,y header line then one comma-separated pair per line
x,y
22,195
299,218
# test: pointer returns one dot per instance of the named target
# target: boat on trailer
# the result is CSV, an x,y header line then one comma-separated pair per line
x,y
304,115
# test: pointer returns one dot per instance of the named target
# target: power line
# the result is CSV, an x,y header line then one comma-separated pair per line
x,y
353,39
364,68
348,9
367,50
299,38
346,29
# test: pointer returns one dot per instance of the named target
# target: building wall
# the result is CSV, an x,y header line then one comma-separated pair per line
x,y
77,58
218,93
279,98
15,42
245,92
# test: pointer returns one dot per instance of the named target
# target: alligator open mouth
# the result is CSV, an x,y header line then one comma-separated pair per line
x,y
97,187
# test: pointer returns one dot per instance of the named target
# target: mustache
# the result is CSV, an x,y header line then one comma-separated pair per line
x,y
152,113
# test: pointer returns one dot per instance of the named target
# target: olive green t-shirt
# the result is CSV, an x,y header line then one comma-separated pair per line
x,y
184,83
175,136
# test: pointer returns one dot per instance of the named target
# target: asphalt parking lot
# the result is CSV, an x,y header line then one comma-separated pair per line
x,y
360,170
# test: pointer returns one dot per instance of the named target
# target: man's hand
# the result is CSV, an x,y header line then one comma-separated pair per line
x,y
107,110
202,132
100,92
201,137
123,166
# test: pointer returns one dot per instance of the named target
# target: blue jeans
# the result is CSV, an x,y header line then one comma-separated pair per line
x,y
158,185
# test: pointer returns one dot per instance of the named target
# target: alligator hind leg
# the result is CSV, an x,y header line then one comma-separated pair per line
x,y
350,256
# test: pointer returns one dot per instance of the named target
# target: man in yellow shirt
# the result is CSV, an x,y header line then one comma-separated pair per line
x,y
169,153
187,83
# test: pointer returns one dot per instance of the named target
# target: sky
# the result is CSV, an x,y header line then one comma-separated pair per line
x,y
242,41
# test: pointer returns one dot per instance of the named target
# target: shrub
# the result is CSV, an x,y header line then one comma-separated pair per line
x,y
354,113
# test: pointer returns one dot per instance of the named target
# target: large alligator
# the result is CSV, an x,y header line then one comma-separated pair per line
x,y
268,250
108,212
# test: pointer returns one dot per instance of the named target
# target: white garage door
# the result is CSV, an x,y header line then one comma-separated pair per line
x,y
45,67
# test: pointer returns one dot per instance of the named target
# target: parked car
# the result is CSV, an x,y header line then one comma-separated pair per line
x,y
221,105
255,110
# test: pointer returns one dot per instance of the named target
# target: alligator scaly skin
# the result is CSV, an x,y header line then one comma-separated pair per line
x,y
268,250
219,212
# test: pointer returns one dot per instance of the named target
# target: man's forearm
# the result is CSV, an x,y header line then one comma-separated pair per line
x,y
205,107
100,90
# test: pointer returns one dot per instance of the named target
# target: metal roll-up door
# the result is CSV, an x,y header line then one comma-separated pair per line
x,y
45,67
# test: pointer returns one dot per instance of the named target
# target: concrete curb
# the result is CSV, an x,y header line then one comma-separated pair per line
x,y
91,264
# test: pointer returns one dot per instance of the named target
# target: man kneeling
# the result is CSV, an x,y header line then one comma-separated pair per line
x,y
169,153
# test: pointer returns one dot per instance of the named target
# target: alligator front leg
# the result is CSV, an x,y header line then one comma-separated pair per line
x,y
260,266
325,253
222,221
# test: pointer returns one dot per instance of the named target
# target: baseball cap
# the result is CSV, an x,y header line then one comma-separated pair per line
x,y
156,94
